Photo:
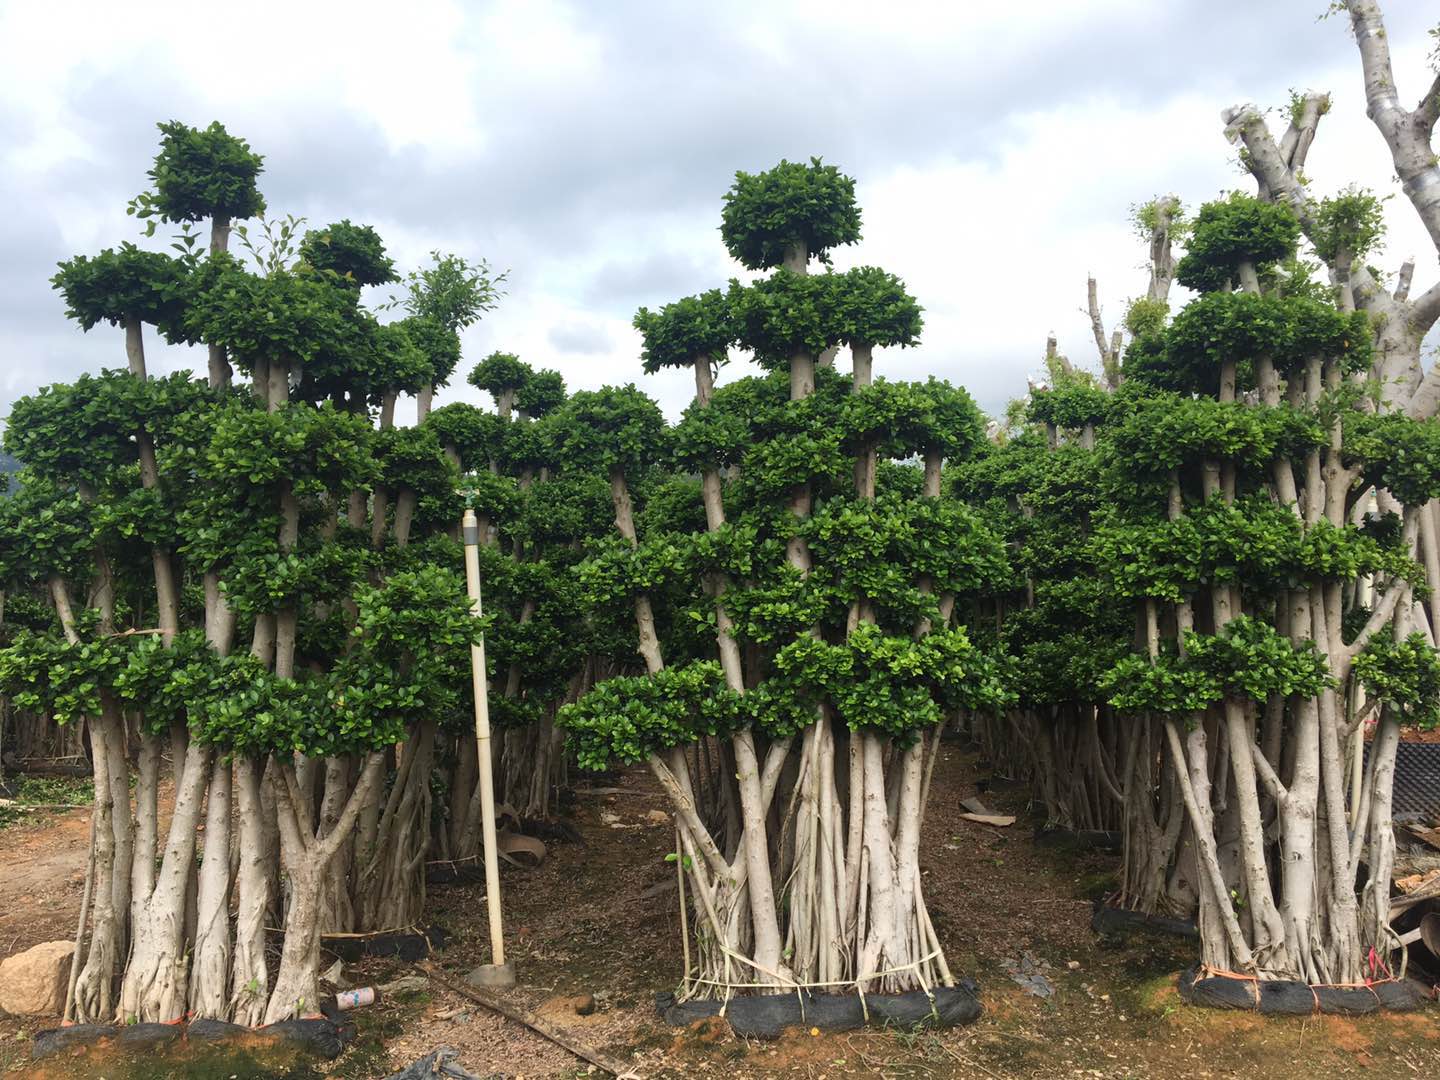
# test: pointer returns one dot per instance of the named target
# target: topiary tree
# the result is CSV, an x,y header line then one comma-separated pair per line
x,y
449,295
257,501
789,558
199,174
789,214
541,394
354,253
1240,552
1231,242
501,375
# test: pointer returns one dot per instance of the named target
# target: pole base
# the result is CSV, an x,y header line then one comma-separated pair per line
x,y
492,975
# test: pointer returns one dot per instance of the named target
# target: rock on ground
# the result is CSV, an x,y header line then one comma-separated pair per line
x,y
33,982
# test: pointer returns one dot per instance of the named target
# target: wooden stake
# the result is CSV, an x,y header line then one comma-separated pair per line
x,y
471,532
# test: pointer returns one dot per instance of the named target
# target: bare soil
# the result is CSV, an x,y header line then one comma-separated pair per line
x,y
42,875
600,917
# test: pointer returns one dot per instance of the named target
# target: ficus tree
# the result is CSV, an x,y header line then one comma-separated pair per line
x,y
832,605
219,514
1243,554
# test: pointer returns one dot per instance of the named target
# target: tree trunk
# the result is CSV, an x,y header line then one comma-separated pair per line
x,y
155,988
297,989
210,968
249,982
94,997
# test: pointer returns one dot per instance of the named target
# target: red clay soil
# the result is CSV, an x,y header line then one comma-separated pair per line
x,y
42,874
600,918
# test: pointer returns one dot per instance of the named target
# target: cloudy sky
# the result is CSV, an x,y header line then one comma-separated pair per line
x,y
585,147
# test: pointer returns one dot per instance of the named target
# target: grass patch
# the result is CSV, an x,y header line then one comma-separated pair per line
x,y
29,796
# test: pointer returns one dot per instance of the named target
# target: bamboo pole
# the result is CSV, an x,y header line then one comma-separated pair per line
x,y
497,972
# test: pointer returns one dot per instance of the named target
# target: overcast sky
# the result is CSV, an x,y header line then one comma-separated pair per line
x,y
585,147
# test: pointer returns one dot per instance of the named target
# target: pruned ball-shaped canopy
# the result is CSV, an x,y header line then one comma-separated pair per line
x,y
279,317
903,419
1403,674
115,286
530,446
1070,406
1397,453
354,252
541,394
1318,330
766,214
490,494
1227,327
1146,365
625,718
880,410
412,457
615,427
955,426
253,447
1228,232
1348,225
871,307
475,434
785,314
205,172
438,344
680,333
45,528
350,362
710,438
385,359
81,432
1166,431
499,372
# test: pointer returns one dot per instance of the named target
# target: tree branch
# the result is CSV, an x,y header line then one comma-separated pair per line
x,y
298,803
1245,124
369,780
1374,46
1162,256
1266,162
1425,310
1097,325
1428,111
685,809
1295,145
1425,400
1402,282
1406,134
1267,773
291,832
1385,609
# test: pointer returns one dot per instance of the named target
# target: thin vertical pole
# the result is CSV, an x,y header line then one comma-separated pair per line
x,y
471,531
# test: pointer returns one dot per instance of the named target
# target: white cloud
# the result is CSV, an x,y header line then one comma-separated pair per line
x,y
586,148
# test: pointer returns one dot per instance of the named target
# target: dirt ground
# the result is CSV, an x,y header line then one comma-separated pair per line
x,y
599,917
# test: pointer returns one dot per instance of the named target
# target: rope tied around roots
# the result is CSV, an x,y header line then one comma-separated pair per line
x,y
800,987
1206,971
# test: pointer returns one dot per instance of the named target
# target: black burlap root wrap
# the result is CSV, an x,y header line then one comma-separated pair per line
x,y
409,945
315,1036
1278,997
1120,922
767,1016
